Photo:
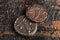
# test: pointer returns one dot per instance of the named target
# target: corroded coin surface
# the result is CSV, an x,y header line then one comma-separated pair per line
x,y
25,27
36,13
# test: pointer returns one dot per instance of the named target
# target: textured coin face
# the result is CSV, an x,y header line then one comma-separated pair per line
x,y
25,27
36,13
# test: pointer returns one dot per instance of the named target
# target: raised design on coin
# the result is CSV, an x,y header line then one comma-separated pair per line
x,y
25,27
36,13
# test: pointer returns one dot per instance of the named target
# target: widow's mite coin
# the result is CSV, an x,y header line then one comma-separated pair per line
x,y
25,27
36,13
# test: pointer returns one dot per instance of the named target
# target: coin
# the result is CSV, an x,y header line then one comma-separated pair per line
x,y
36,13
25,27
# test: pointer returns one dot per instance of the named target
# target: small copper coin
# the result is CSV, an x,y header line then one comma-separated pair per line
x,y
25,27
36,13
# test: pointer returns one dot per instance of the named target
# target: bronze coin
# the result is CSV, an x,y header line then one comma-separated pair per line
x,y
25,27
36,13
